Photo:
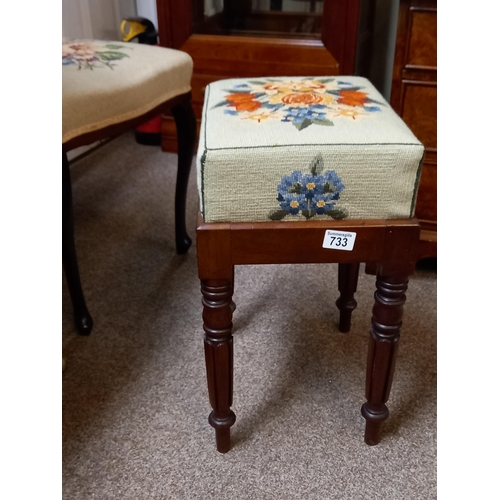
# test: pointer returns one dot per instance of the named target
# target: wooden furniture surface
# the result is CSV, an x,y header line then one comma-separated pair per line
x,y
233,53
414,97
392,244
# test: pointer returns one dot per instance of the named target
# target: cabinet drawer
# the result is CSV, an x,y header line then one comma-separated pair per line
x,y
419,110
422,49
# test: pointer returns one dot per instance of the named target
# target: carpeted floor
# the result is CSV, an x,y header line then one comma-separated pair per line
x,y
135,403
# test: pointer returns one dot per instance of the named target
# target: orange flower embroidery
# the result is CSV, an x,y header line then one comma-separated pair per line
x,y
248,106
243,97
302,98
352,97
243,102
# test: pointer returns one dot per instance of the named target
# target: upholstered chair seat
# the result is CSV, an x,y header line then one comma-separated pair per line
x,y
109,88
105,83
300,148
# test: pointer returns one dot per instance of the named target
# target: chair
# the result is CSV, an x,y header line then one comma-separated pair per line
x,y
305,170
109,88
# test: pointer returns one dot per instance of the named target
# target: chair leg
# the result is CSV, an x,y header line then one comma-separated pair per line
x,y
348,282
384,337
185,122
83,320
233,305
217,323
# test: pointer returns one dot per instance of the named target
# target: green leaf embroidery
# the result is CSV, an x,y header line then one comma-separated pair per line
x,y
326,80
116,47
296,188
373,101
219,104
256,82
328,188
237,91
303,124
278,215
308,214
316,166
111,55
337,213
351,88
326,123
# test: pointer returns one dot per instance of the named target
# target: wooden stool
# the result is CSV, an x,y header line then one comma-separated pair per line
x,y
108,89
335,185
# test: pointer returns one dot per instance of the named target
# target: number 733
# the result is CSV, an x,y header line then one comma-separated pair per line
x,y
341,242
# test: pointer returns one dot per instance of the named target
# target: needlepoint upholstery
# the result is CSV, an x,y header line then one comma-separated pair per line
x,y
304,148
105,83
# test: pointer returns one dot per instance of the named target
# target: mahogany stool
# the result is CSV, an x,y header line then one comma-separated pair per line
x,y
305,170
110,88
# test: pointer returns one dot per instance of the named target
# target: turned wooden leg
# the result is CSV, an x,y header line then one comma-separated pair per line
x,y
233,305
185,122
384,336
217,323
83,320
348,283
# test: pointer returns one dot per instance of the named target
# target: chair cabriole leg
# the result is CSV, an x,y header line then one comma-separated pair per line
x,y
383,345
82,318
185,122
217,323
346,303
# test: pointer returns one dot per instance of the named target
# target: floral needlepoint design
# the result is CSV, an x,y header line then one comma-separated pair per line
x,y
303,102
310,194
92,55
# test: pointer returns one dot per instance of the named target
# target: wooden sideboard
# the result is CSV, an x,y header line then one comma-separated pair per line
x,y
414,97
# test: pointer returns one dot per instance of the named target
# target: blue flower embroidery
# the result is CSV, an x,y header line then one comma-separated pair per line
x,y
323,202
298,115
293,203
312,185
310,194
333,184
290,184
372,109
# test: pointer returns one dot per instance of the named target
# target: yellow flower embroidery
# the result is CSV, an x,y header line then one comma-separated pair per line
x,y
349,113
259,117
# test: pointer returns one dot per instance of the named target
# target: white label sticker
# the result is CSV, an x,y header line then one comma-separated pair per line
x,y
339,240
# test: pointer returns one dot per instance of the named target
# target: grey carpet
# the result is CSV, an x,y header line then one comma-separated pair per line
x,y
135,402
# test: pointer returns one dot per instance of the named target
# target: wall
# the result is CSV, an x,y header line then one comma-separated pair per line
x,y
147,9
98,19
385,25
